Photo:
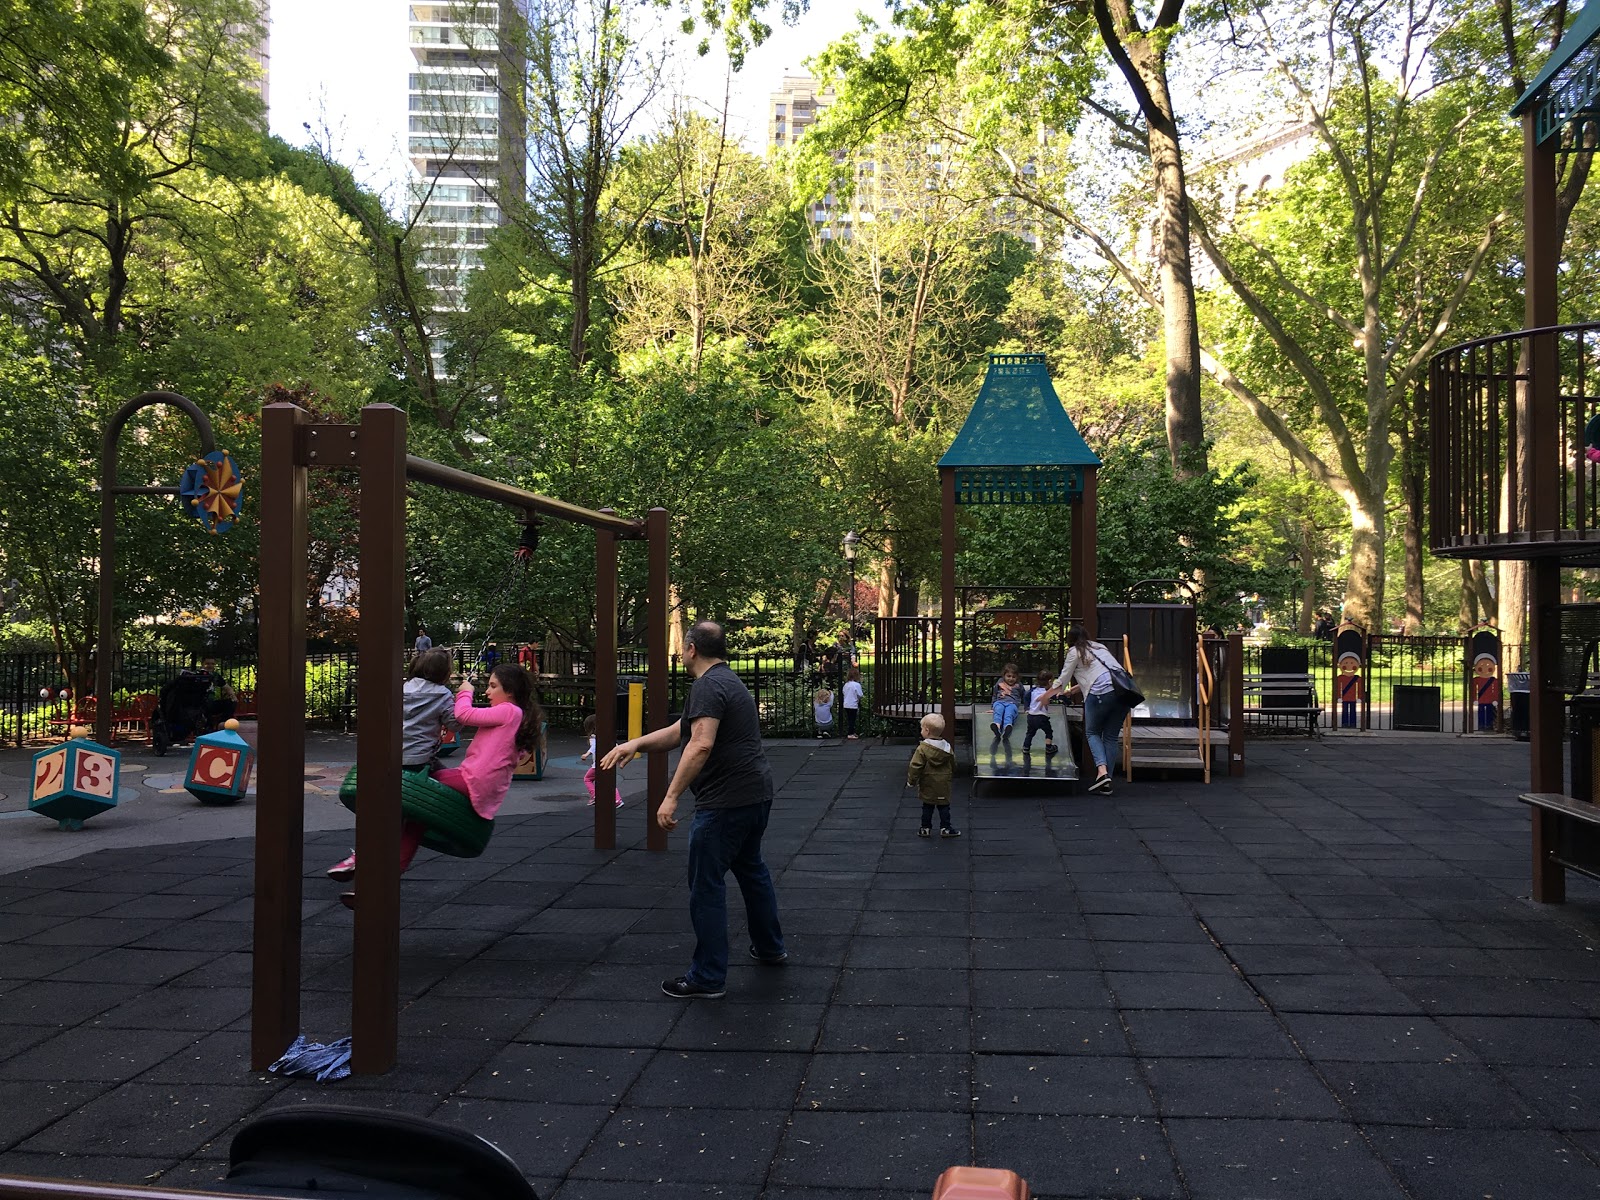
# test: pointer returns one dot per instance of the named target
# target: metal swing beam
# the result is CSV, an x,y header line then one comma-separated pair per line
x,y
290,446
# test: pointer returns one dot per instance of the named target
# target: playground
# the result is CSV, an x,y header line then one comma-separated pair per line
x,y
1323,979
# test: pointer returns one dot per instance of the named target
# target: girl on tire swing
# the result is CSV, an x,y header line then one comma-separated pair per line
x,y
507,729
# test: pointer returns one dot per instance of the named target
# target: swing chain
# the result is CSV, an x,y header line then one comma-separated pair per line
x,y
521,563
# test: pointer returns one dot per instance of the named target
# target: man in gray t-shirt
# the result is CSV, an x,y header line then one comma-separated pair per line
x,y
723,765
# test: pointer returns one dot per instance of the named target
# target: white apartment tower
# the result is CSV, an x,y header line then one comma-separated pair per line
x,y
465,140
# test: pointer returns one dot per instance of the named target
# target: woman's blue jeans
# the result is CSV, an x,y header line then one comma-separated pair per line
x,y
1102,726
723,840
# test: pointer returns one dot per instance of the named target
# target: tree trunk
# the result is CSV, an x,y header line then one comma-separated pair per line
x,y
1467,610
1363,593
1308,581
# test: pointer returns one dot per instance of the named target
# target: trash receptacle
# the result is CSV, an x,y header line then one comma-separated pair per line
x,y
624,684
1517,692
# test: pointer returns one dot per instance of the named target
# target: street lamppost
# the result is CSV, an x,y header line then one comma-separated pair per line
x,y
851,541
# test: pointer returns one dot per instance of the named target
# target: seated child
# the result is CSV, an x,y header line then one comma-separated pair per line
x,y
1039,699
822,711
1008,692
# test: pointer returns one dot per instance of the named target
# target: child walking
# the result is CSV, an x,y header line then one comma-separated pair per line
x,y
1039,713
428,708
588,757
931,770
822,711
852,702
1007,698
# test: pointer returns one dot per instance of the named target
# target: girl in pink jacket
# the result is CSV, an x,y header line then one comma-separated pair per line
x,y
507,729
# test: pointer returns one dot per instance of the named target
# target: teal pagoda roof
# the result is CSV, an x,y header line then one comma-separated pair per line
x,y
1017,445
1568,85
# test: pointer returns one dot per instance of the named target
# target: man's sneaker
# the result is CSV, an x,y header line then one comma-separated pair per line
x,y
684,990
949,831
924,832
769,960
343,872
995,726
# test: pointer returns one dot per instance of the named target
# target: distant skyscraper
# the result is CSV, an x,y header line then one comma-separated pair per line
x,y
466,136
797,103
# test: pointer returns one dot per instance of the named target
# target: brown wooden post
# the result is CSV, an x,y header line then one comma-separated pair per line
x,y
1236,704
1541,256
1084,562
656,687
281,737
375,999
947,603
605,683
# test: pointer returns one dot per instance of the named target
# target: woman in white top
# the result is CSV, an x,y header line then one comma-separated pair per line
x,y
1085,674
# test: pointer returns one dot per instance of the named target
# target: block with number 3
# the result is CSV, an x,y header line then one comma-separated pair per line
x,y
74,781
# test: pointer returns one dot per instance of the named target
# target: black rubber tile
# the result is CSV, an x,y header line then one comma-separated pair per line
x,y
903,1028
1363,934
1047,1031
1565,1097
1161,1034
182,1008
1448,1164
28,1106
557,1074
1270,931
941,907
1279,1160
925,986
1034,954
642,1022
543,1139
217,937
1438,1095
1061,1085
909,951
1080,1156
1117,927
1266,1088
1550,964
1437,960
68,902
871,1151
222,1057
718,1079
1039,989
1026,925
1342,993
491,977
1341,1037
1163,956
91,1054
1475,996
25,963
1181,989
603,923
695,1145
89,1168
908,1082
61,1004
119,1122
1529,1041
436,1015
1163,901
733,1024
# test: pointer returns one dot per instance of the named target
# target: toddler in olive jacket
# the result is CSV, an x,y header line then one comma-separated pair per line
x,y
931,771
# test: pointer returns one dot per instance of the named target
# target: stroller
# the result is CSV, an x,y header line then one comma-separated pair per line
x,y
182,711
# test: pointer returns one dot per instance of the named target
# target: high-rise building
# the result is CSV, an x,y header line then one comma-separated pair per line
x,y
797,103
466,140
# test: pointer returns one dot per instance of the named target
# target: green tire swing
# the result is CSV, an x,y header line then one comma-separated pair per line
x,y
449,823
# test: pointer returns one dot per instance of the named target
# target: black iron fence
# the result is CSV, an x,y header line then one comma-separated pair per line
x,y
38,701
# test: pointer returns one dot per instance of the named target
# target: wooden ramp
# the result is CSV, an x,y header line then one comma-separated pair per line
x,y
1172,748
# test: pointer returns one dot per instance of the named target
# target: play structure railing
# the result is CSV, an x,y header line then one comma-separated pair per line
x,y
1483,445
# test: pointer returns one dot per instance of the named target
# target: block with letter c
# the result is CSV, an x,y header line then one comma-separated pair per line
x,y
219,768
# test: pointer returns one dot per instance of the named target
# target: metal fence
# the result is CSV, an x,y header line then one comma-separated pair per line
x,y
37,702
1415,683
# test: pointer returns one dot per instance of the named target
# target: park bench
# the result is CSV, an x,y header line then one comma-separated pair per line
x,y
1575,845
1283,690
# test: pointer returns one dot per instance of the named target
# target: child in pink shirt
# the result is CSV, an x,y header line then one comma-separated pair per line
x,y
506,729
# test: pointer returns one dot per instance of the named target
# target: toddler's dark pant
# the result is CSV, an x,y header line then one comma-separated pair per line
x,y
1037,722
850,721
944,815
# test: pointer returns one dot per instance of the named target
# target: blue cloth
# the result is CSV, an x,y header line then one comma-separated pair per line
x,y
1102,725
723,840
314,1060
1005,714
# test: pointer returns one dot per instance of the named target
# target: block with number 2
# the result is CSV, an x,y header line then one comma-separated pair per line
x,y
74,781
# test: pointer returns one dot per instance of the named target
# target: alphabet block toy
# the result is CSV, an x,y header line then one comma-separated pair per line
x,y
219,767
531,764
74,781
449,742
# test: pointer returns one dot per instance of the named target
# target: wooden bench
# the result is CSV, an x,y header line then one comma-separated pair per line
x,y
1285,696
1568,835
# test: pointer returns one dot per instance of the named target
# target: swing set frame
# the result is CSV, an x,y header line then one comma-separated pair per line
x,y
291,447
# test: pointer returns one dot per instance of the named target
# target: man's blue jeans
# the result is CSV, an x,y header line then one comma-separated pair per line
x,y
723,840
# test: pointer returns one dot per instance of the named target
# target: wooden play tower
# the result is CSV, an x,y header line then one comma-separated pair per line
x,y
1512,421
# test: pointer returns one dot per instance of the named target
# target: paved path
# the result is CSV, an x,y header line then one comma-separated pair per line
x,y
1322,980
